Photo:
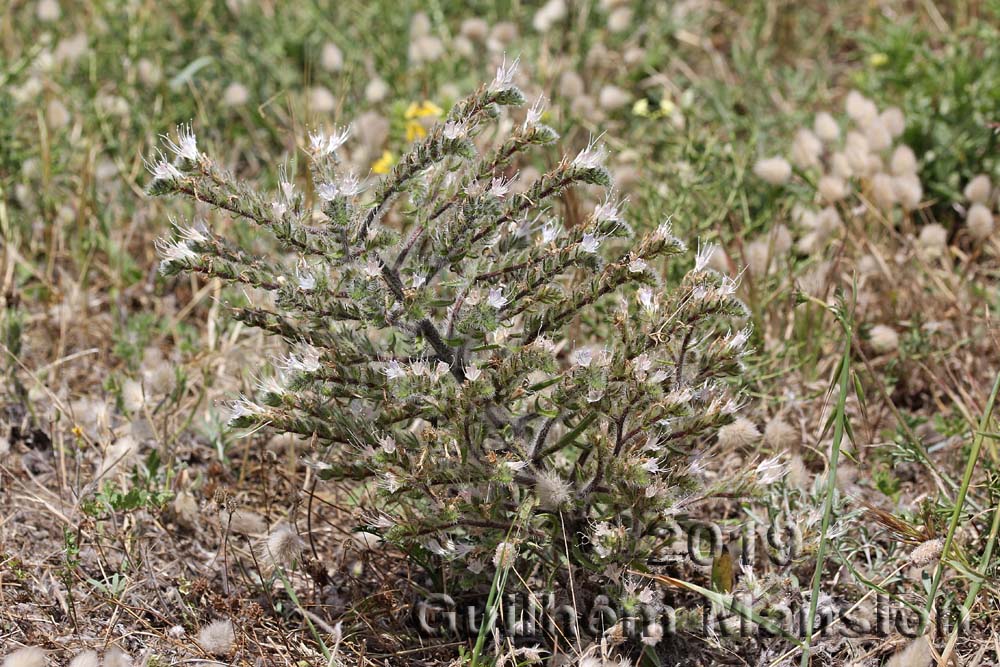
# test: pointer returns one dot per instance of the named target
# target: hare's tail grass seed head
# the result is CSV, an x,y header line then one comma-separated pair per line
x,y
488,367
29,656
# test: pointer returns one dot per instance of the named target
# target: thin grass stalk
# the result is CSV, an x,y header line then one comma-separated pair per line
x,y
977,584
956,513
831,487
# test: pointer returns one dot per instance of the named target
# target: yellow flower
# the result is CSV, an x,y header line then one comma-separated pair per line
x,y
384,163
77,431
414,130
641,107
422,110
878,59
667,107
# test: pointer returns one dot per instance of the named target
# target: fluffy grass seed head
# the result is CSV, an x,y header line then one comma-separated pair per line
x,y
904,161
882,191
894,121
884,338
217,638
773,170
933,239
826,128
87,658
283,545
806,149
116,657
908,190
29,656
926,552
979,220
48,11
978,189
832,188
916,654
780,435
741,432
860,109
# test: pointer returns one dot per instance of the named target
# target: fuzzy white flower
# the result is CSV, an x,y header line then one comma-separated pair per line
x,y
439,371
175,251
738,340
591,157
589,244
84,659
637,265
582,357
376,90
187,144
840,165
243,407
197,233
703,257
389,482
307,361
164,171
305,279
472,373
454,129
550,230
372,268
328,191
48,10
647,299
499,187
505,75
394,370
607,210
272,384
535,112
861,110
496,299
770,470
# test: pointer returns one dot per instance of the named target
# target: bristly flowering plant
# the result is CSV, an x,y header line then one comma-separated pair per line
x,y
508,381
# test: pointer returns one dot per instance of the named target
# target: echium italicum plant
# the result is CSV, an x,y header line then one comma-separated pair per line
x,y
509,381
